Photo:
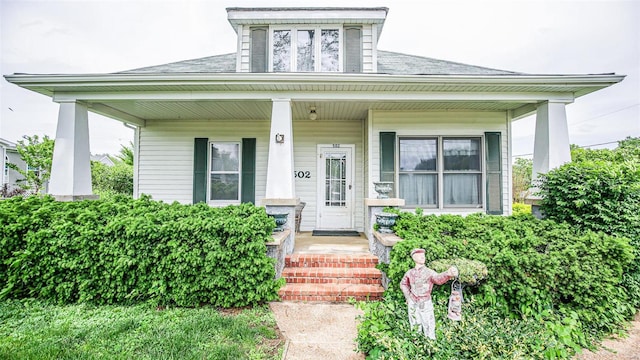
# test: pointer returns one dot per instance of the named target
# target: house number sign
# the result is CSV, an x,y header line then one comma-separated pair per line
x,y
302,174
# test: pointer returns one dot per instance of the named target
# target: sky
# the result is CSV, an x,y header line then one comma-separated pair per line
x,y
534,36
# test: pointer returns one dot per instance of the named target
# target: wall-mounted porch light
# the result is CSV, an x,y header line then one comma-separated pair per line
x,y
312,113
280,138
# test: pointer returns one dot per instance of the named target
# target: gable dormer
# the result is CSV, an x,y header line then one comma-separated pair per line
x,y
307,39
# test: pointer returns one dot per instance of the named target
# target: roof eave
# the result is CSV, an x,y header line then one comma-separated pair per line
x,y
47,84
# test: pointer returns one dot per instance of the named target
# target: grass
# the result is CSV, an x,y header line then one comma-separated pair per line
x,y
31,329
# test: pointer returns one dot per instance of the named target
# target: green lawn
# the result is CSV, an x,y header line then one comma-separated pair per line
x,y
32,329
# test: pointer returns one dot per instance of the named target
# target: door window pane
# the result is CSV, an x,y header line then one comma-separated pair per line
x,y
335,180
330,50
282,50
306,50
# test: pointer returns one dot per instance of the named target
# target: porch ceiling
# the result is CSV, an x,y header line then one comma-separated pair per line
x,y
136,98
261,109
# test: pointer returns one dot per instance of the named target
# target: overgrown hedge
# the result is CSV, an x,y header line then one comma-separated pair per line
x,y
599,195
565,279
121,251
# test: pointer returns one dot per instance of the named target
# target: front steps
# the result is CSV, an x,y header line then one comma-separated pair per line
x,y
331,277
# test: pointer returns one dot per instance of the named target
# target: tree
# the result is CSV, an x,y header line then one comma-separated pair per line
x,y
126,154
521,179
37,153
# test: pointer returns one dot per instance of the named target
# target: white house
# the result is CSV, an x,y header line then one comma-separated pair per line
x,y
309,109
8,154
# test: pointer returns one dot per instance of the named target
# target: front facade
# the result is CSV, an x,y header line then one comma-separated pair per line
x,y
308,109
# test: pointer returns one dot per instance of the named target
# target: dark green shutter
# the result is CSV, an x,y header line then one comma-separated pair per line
x,y
494,172
388,157
352,49
258,46
248,171
200,151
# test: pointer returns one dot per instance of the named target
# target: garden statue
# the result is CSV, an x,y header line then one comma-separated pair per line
x,y
416,285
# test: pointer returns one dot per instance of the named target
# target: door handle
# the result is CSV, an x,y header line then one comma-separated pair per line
x,y
349,187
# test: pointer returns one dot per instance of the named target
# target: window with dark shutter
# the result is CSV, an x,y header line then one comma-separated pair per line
x,y
259,49
248,192
200,150
353,49
388,157
494,173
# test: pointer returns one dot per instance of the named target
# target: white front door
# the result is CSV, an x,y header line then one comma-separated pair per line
x,y
335,186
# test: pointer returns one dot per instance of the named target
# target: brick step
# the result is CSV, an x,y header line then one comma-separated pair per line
x,y
317,275
330,261
330,292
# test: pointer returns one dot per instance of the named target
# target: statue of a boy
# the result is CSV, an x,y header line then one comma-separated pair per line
x,y
416,285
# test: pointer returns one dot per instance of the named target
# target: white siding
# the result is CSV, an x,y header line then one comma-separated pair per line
x,y
243,49
165,169
440,123
368,49
307,135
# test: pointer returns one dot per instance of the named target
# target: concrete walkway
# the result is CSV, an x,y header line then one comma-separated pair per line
x,y
317,330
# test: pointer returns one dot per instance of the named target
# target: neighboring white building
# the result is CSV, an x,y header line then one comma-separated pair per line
x,y
309,109
8,154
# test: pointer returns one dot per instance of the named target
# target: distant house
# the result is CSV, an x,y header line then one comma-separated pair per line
x,y
309,109
8,154
103,158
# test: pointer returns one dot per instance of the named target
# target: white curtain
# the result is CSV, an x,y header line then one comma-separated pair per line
x,y
461,189
418,189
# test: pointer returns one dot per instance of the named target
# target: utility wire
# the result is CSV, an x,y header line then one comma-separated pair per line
x,y
583,146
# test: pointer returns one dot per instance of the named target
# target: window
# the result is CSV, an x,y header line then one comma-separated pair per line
x,y
224,172
305,49
440,171
6,169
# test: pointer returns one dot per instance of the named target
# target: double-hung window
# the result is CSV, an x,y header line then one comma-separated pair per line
x,y
306,49
224,172
440,171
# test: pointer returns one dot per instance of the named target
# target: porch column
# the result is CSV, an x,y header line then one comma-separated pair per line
x,y
280,193
71,167
551,142
280,184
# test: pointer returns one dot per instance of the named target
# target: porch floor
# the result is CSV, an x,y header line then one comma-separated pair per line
x,y
309,244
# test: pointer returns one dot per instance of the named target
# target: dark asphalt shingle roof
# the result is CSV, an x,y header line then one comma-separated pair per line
x,y
392,63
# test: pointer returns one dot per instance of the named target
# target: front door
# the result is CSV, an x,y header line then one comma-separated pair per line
x,y
335,187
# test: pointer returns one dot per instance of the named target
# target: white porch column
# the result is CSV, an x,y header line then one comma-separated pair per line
x,y
280,183
551,142
71,167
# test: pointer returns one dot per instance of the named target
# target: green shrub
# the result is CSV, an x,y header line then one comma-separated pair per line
x,y
110,180
125,251
533,265
521,209
384,333
551,289
602,196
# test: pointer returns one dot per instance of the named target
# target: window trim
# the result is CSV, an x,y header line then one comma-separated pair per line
x,y
317,46
211,172
440,172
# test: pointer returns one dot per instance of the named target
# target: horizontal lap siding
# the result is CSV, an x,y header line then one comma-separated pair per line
x,y
441,123
307,135
166,154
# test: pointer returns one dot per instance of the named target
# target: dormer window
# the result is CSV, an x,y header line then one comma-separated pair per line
x,y
297,49
304,40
